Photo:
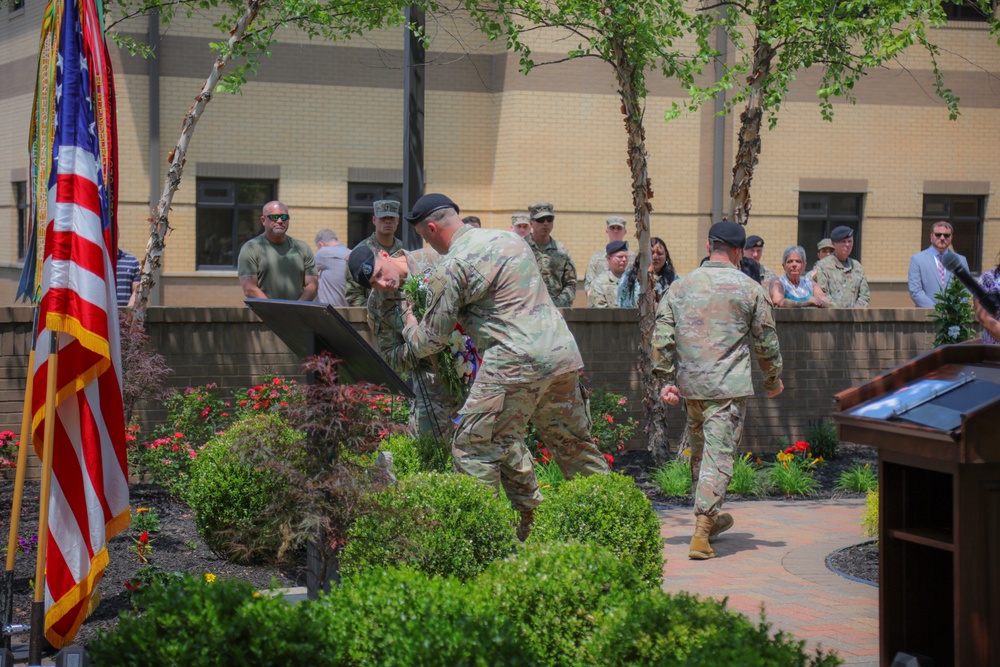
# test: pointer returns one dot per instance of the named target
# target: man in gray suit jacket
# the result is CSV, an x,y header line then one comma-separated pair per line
x,y
927,276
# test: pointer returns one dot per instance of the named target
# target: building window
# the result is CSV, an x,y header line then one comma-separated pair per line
x,y
966,10
360,197
23,218
228,216
820,212
965,213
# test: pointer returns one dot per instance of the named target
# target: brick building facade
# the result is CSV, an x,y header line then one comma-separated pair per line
x,y
320,127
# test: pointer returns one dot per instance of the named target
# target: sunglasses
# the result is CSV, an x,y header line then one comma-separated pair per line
x,y
546,219
945,235
274,217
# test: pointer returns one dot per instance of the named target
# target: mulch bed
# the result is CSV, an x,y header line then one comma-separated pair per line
x,y
176,548
179,548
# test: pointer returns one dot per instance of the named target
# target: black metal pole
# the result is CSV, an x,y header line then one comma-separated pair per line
x,y
413,120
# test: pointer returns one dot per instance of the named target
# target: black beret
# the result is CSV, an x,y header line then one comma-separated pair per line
x,y
617,246
841,233
728,232
754,242
361,263
426,205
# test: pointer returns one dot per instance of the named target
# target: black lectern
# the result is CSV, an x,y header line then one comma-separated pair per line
x,y
936,423
309,328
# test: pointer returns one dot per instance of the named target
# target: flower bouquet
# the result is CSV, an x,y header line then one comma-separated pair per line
x,y
458,363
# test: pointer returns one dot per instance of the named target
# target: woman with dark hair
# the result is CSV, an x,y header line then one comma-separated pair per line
x,y
990,282
628,289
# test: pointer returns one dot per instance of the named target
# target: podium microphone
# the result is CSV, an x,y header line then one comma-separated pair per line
x,y
988,301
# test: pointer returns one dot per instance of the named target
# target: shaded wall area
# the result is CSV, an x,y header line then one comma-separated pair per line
x,y
824,352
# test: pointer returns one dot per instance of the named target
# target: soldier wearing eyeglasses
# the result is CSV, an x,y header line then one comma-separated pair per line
x,y
927,275
274,265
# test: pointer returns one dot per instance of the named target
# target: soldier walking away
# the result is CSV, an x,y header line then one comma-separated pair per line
x,y
489,283
705,326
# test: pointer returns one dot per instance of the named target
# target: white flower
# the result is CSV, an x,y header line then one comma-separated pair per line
x,y
456,342
953,332
464,368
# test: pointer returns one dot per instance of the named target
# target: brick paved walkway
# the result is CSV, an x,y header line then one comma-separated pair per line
x,y
776,555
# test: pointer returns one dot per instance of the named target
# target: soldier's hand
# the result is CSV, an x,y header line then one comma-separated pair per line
x,y
409,319
771,393
669,395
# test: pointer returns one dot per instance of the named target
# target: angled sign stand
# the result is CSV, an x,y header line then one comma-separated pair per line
x,y
309,328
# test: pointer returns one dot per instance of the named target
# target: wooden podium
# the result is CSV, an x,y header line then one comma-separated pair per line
x,y
936,423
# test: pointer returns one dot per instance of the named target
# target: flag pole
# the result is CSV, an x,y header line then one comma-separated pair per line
x,y
38,606
15,511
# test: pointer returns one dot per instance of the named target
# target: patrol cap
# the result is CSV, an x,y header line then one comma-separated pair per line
x,y
754,242
616,221
728,232
617,246
542,210
361,263
825,243
386,208
431,203
519,219
841,233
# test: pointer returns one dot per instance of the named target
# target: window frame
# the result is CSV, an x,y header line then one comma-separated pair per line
x,y
230,202
22,204
959,222
830,220
360,197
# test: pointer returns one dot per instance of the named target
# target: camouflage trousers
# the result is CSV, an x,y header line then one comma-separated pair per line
x,y
489,443
432,410
714,429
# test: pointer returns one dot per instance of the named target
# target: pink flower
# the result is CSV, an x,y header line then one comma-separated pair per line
x,y
178,435
621,401
276,381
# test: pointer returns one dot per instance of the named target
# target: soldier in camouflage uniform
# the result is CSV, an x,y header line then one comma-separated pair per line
x,y
386,220
840,277
755,250
520,224
554,263
490,284
705,326
433,407
604,291
599,260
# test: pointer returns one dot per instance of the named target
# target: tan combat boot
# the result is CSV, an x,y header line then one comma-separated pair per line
x,y
525,524
723,522
700,549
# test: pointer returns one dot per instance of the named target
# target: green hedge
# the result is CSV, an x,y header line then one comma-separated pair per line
x,y
552,605
609,510
229,498
445,524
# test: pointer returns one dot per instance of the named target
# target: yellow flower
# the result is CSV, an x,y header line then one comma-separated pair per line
x,y
815,461
866,466
141,510
687,453
209,577
256,595
747,457
785,457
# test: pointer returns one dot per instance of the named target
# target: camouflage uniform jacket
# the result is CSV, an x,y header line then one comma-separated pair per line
x,y
599,264
845,284
385,319
490,284
604,291
766,276
557,271
355,293
704,328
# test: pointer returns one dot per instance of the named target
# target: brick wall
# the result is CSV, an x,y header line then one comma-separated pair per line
x,y
824,352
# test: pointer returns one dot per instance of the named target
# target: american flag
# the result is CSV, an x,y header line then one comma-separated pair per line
x,y
88,502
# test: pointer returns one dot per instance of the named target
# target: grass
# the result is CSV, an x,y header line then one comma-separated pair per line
x,y
747,479
549,476
792,477
673,478
860,479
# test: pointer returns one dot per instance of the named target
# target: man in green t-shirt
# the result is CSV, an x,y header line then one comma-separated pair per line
x,y
274,265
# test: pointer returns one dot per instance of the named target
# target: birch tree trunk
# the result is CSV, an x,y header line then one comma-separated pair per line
x,y
638,160
751,121
159,225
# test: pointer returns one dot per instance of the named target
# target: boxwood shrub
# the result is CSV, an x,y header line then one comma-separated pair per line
x,y
558,594
447,524
412,455
230,499
609,510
